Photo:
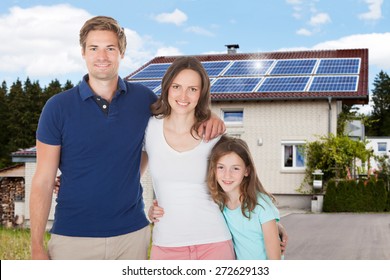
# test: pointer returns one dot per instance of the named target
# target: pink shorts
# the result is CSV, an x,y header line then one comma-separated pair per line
x,y
213,251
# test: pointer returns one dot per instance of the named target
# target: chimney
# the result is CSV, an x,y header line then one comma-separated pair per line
x,y
232,49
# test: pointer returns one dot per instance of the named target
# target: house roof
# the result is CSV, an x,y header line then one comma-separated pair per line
x,y
280,69
24,155
13,171
25,152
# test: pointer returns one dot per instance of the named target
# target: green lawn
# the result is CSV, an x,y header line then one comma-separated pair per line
x,y
15,244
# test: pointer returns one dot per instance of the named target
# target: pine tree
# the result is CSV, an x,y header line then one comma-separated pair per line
x,y
381,108
5,159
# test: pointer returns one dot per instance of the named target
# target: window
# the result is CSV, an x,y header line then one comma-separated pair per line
x,y
382,147
233,116
293,155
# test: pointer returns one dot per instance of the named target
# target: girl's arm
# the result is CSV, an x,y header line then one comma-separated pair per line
x,y
271,240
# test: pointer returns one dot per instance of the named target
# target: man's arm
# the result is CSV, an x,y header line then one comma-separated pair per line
x,y
48,158
212,128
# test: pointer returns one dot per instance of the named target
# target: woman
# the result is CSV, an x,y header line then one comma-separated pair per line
x,y
192,226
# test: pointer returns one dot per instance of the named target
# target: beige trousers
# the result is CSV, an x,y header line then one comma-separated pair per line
x,y
131,246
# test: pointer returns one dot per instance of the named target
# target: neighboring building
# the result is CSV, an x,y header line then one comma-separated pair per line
x,y
12,192
28,158
275,101
380,147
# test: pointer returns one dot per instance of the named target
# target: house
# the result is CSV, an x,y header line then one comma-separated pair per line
x,y
380,147
275,101
27,159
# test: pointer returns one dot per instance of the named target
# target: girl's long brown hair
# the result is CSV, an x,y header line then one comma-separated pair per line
x,y
250,186
161,107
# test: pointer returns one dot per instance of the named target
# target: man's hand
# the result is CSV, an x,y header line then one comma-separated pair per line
x,y
155,212
283,238
212,128
39,254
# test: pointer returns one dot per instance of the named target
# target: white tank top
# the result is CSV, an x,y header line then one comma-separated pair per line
x,y
179,180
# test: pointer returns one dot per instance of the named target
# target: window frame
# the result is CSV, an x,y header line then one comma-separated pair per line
x,y
381,144
233,110
294,145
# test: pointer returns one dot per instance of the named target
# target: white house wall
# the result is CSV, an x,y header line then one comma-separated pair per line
x,y
372,143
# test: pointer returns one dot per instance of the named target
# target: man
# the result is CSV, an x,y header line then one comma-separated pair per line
x,y
93,133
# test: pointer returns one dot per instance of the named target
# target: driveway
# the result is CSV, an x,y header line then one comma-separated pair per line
x,y
341,236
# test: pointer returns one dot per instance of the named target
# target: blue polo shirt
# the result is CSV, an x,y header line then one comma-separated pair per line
x,y
100,194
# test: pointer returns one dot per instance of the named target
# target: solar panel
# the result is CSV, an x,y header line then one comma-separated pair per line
x,y
268,75
339,66
151,84
294,66
234,85
284,84
214,68
334,83
248,68
152,71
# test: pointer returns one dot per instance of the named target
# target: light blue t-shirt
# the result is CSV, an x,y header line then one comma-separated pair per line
x,y
247,233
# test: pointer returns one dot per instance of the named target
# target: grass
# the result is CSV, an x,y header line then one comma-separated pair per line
x,y
15,244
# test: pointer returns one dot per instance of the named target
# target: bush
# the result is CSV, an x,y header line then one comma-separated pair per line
x,y
330,197
352,196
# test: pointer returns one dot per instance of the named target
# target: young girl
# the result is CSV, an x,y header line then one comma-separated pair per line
x,y
248,208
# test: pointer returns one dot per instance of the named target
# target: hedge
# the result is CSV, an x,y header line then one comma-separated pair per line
x,y
356,196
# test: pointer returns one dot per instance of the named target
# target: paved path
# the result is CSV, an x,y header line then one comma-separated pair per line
x,y
341,236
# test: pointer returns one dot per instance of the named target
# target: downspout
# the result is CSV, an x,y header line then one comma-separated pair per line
x,y
329,114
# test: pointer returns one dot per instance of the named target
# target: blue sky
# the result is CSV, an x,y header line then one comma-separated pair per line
x,y
39,38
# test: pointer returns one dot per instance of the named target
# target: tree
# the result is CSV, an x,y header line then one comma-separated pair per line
x,y
4,136
16,103
381,108
334,155
20,108
53,88
68,85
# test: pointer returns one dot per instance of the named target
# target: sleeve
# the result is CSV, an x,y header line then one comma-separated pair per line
x,y
50,123
267,210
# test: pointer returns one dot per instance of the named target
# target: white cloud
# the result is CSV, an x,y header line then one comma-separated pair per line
x,y
168,51
304,32
199,30
177,17
302,10
41,40
294,2
319,19
374,10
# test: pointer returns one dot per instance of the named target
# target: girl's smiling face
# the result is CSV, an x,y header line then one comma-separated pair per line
x,y
230,171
